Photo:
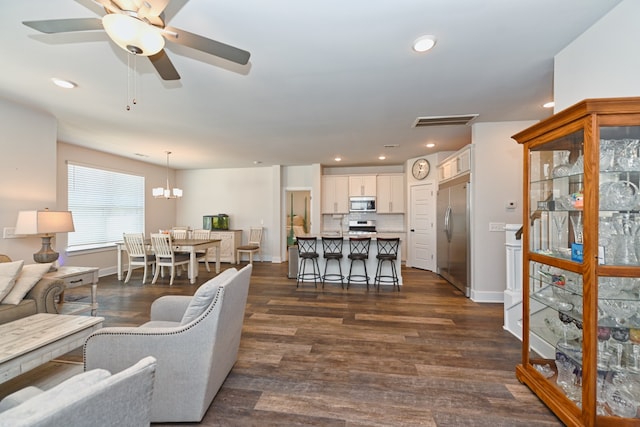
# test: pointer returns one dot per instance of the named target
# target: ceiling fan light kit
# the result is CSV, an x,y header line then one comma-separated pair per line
x,y
132,34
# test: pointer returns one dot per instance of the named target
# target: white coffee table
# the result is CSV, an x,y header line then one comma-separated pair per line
x,y
34,340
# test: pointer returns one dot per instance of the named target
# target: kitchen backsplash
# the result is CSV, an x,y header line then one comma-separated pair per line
x,y
384,223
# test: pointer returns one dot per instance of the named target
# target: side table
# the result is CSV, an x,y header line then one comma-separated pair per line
x,y
74,277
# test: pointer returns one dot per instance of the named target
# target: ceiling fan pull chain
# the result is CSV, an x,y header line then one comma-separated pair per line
x,y
128,81
135,79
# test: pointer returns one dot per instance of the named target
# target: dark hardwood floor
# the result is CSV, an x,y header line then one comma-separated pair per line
x,y
425,356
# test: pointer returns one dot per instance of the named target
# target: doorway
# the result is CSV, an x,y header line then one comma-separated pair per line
x,y
297,215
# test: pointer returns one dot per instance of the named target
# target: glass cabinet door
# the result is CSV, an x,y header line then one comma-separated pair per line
x,y
618,326
556,197
555,325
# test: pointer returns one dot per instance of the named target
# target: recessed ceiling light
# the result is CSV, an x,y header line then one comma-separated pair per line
x,y
66,84
550,104
431,145
382,157
424,43
338,159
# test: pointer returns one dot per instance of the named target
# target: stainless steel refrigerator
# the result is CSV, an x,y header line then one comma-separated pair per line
x,y
454,232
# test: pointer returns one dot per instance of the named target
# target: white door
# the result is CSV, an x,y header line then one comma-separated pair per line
x,y
422,226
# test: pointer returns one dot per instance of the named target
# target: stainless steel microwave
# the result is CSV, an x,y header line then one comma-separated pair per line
x,y
362,204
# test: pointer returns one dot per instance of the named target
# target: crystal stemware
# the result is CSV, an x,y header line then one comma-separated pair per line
x,y
559,220
563,168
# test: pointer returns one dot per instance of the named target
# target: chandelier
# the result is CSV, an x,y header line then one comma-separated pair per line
x,y
167,193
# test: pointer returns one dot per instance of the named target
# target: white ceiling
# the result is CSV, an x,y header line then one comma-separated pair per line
x,y
325,78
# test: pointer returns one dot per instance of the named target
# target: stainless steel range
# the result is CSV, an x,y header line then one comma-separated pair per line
x,y
362,227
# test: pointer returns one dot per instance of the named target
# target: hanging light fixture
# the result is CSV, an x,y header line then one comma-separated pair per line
x,y
167,193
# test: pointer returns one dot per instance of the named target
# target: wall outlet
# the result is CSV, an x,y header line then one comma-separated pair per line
x,y
9,233
496,226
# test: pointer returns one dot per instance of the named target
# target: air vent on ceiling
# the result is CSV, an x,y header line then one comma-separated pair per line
x,y
444,120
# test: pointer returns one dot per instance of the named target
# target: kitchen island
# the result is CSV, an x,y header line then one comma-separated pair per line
x,y
345,262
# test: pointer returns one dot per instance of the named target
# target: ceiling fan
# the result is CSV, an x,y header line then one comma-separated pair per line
x,y
138,27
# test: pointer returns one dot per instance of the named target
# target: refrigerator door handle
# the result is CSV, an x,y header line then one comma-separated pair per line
x,y
447,223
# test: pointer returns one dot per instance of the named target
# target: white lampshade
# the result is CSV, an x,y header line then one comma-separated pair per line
x,y
44,222
132,34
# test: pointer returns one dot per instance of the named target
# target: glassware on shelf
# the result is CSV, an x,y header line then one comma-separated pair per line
x,y
608,155
563,168
619,310
628,160
620,402
559,221
606,231
565,332
576,223
578,166
626,226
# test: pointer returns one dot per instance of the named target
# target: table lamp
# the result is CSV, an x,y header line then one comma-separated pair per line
x,y
44,223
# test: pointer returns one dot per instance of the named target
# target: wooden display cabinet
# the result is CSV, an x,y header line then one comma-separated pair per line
x,y
581,269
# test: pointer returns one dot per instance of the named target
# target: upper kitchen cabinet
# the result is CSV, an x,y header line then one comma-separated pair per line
x,y
335,194
581,262
456,164
390,194
362,185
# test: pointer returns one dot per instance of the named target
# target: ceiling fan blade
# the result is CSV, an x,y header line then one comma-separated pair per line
x,y
164,66
204,44
65,25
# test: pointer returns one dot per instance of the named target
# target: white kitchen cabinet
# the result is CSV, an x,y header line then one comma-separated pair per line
x,y
390,194
362,185
335,194
456,164
230,240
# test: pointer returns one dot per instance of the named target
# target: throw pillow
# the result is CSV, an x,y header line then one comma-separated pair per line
x,y
27,279
9,271
204,295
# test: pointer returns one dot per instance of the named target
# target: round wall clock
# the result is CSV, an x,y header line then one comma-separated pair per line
x,y
420,169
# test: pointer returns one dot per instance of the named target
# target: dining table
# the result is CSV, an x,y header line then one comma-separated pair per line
x,y
192,246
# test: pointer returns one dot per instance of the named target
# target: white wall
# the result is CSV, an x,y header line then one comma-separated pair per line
x,y
603,62
496,179
244,194
28,172
159,213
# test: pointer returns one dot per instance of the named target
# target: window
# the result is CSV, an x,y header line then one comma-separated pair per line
x,y
105,204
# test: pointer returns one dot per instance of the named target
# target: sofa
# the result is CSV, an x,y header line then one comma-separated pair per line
x,y
92,398
41,298
194,339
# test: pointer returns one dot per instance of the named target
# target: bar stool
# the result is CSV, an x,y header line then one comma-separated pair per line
x,y
307,252
332,248
359,251
387,251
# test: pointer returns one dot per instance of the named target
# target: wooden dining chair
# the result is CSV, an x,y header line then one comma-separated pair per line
x,y
253,246
202,234
138,254
165,255
179,233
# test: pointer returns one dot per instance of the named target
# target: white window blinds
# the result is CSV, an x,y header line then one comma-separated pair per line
x,y
104,204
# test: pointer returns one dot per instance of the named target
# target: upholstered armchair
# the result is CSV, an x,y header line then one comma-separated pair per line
x,y
92,398
194,339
